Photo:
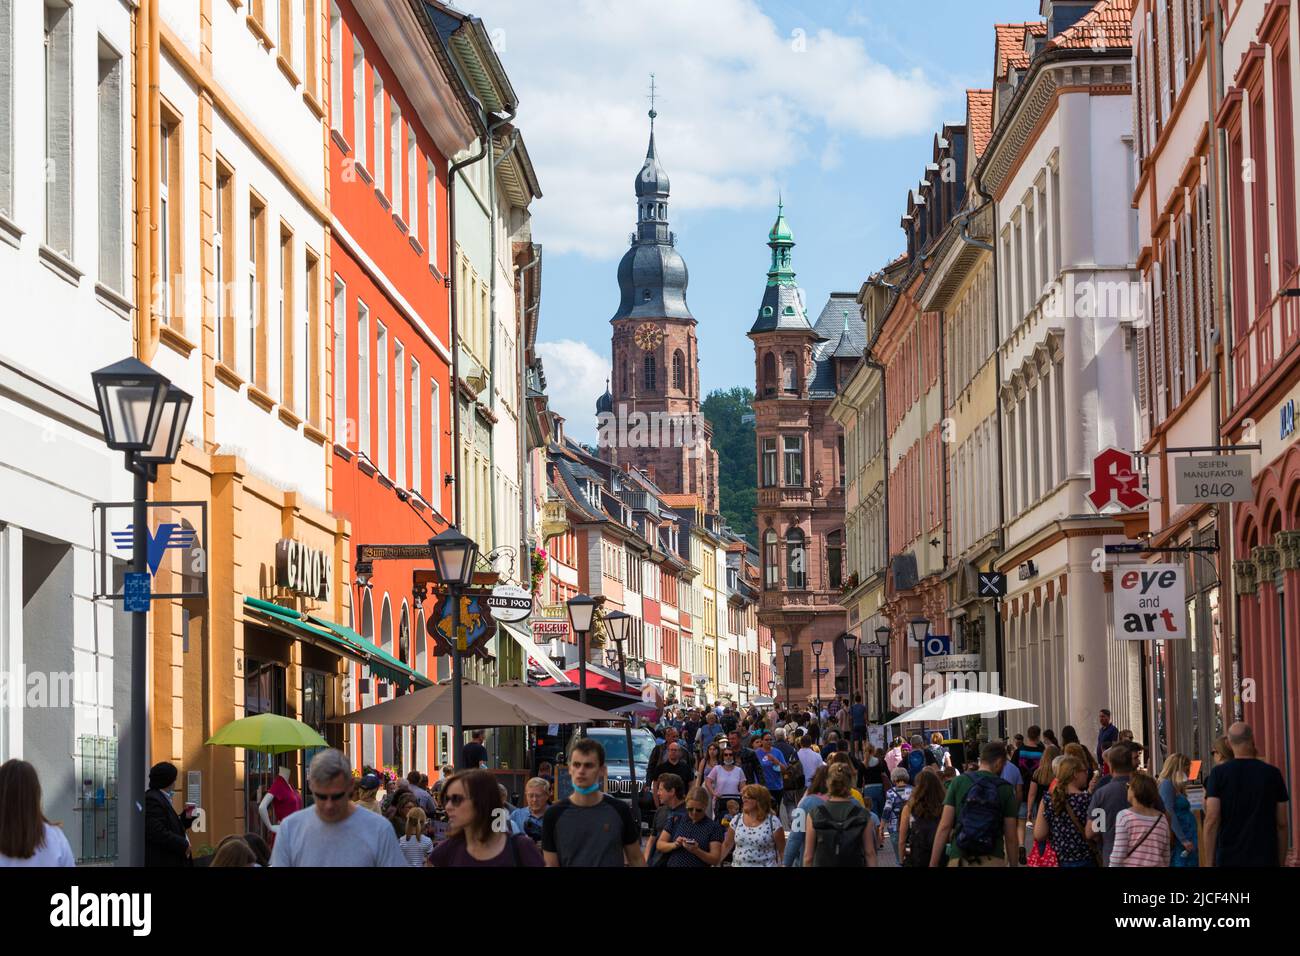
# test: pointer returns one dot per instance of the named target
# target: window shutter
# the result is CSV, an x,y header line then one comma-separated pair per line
x,y
1189,303
1158,331
1143,386
1172,312
1162,63
6,108
1180,52
1139,90
1151,87
1205,259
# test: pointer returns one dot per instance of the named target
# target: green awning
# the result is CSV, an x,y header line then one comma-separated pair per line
x,y
380,664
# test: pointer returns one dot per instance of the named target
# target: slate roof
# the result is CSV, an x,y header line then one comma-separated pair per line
x,y
1111,20
979,119
844,336
782,310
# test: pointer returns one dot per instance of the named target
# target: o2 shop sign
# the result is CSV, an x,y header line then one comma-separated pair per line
x,y
1149,602
303,570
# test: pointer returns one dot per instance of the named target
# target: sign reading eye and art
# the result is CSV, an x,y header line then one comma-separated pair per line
x,y
1149,602
303,570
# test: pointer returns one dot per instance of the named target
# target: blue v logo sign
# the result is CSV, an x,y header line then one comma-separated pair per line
x,y
169,535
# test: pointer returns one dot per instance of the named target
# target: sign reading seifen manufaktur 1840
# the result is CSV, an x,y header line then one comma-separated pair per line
x,y
1213,478
1149,602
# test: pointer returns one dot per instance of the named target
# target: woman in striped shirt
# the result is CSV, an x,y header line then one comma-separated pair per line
x,y
1141,832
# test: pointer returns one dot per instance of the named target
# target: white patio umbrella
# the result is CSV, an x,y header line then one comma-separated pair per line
x,y
960,702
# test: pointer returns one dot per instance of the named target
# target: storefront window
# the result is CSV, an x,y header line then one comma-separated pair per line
x,y
315,692
264,693
1159,659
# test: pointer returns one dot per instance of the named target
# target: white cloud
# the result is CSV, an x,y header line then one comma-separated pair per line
x,y
575,378
739,103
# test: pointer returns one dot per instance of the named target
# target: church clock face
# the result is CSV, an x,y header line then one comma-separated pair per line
x,y
649,337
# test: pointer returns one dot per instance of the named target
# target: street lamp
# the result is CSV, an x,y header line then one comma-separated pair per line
x,y
143,415
454,556
919,627
581,609
617,624
786,650
851,646
817,673
747,675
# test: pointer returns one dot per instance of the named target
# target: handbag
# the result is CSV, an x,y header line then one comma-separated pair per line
x,y
1044,857
1092,847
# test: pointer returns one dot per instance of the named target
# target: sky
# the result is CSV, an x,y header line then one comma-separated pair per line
x,y
830,104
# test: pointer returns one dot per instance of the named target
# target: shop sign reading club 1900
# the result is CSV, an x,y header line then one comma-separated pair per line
x,y
302,569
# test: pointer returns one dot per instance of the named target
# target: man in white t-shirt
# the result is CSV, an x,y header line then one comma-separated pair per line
x,y
809,758
333,832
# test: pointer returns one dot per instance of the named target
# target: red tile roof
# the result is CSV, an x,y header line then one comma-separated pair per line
x,y
979,118
682,501
1010,40
1109,24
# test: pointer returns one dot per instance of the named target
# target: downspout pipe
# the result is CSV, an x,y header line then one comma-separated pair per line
x,y
493,162
521,382
455,312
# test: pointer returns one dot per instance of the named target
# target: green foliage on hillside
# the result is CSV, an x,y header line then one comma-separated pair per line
x,y
731,413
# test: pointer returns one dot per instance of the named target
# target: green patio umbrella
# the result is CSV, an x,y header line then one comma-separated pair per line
x,y
268,734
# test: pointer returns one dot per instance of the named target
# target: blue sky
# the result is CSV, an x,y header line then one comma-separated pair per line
x,y
833,103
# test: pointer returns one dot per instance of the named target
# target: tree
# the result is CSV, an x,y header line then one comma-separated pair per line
x,y
731,413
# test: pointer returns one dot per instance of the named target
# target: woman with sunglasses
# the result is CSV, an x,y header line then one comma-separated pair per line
x,y
756,834
473,803
692,840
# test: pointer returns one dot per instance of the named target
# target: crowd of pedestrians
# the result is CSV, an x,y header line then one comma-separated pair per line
x,y
735,788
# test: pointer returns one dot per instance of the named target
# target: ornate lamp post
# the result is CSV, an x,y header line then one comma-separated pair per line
x,y
817,673
143,415
581,608
747,675
454,556
617,625
787,649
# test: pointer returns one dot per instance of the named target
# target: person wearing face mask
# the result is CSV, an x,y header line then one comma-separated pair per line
x,y
724,782
165,841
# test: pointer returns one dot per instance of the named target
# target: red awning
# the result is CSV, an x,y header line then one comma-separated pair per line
x,y
595,680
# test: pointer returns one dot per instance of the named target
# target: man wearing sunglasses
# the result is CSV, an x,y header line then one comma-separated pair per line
x,y
333,832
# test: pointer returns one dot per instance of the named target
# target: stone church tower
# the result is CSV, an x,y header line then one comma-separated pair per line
x,y
649,416
798,369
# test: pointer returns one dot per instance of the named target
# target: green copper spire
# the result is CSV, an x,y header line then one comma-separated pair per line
x,y
781,241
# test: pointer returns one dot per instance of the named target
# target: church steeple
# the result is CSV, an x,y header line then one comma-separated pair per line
x,y
781,242
652,194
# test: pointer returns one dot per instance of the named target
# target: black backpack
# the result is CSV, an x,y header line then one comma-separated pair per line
x,y
981,817
920,840
839,834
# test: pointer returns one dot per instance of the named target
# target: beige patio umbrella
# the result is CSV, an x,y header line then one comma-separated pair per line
x,y
508,705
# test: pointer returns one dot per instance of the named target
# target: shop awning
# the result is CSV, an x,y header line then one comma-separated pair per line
x,y
339,638
535,653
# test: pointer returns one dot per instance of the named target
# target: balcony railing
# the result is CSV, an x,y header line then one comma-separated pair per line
x,y
778,497
1271,335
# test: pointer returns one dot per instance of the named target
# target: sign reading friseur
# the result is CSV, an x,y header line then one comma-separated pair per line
x,y
303,570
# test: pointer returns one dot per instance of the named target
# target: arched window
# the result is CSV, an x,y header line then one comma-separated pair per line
x,y
789,377
649,366
771,560
796,560
404,636
679,371
627,378
769,374
835,559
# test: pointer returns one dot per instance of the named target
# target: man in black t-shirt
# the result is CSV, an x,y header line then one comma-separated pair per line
x,y
1246,807
590,828
474,755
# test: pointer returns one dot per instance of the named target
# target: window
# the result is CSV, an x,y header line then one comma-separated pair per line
x,y
224,214
310,31
6,107
112,272
377,105
363,378
649,366
58,128
435,445
341,362
769,375
1285,163
771,560
257,367
395,155
431,227
171,240
382,450
417,452
679,371
336,68
359,149
789,377
311,339
796,561
769,466
794,461
412,189
286,30
287,344
399,411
